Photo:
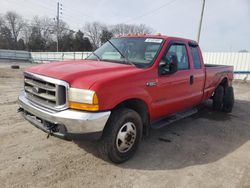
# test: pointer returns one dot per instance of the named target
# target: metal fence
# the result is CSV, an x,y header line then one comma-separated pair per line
x,y
15,55
240,61
42,57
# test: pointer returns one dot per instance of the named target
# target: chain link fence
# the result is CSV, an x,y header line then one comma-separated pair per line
x,y
240,61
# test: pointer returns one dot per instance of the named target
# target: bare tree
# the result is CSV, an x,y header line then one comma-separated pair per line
x,y
45,24
94,32
105,36
142,28
15,32
15,23
124,29
121,29
1,22
64,29
26,31
46,27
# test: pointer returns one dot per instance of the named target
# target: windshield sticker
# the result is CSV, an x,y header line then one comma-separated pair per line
x,y
153,40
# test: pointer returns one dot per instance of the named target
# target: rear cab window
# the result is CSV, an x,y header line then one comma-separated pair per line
x,y
196,57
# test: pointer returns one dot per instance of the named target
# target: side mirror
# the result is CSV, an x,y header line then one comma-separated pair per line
x,y
168,65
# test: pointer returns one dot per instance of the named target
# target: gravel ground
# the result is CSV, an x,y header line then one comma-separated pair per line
x,y
209,149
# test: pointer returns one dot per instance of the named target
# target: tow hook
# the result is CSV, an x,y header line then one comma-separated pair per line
x,y
51,129
19,109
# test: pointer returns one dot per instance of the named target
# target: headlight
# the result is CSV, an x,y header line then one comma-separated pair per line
x,y
83,99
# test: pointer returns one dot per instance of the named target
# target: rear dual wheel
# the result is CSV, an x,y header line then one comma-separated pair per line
x,y
228,99
223,98
218,98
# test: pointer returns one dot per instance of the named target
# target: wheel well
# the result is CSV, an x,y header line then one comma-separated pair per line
x,y
141,108
224,82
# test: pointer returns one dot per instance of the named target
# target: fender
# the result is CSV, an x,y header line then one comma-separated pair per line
x,y
112,100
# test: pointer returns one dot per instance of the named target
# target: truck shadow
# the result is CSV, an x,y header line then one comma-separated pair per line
x,y
200,139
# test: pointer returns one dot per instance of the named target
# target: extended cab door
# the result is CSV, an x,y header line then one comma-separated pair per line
x,y
180,90
197,73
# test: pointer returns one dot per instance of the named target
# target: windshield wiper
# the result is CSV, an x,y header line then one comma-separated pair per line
x,y
99,59
127,60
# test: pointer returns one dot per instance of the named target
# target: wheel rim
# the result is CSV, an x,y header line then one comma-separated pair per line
x,y
126,137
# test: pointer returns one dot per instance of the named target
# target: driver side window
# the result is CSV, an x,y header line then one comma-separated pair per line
x,y
181,53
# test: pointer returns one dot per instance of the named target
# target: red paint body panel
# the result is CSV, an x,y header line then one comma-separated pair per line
x,y
115,83
81,73
214,76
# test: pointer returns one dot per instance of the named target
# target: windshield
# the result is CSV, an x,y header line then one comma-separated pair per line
x,y
138,51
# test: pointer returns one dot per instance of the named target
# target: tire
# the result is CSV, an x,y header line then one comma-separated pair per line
x,y
119,142
15,66
228,100
218,98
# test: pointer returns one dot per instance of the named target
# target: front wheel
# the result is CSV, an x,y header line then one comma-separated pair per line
x,y
122,135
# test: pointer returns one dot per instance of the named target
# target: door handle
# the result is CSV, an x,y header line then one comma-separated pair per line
x,y
191,80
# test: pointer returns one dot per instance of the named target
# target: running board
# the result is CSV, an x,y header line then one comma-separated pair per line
x,y
171,119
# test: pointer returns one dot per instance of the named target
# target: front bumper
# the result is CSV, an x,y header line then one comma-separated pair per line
x,y
67,124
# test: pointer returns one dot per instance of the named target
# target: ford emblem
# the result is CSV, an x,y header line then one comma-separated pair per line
x,y
35,89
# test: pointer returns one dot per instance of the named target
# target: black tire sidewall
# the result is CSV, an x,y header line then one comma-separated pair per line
x,y
218,98
118,119
133,148
15,66
228,100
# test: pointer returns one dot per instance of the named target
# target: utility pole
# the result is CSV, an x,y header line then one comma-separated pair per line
x,y
201,18
57,27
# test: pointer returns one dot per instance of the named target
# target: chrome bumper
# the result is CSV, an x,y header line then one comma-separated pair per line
x,y
66,122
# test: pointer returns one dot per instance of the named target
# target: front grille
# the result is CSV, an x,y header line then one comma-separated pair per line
x,y
45,91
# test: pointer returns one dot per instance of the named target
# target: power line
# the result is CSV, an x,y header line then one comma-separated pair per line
x,y
72,20
71,11
69,16
75,16
74,11
151,11
28,7
43,6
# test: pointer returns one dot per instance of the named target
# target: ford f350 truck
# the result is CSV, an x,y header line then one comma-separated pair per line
x,y
123,89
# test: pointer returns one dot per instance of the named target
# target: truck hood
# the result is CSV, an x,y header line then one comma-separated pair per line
x,y
83,73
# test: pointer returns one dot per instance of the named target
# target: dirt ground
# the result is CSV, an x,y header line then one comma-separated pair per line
x,y
209,149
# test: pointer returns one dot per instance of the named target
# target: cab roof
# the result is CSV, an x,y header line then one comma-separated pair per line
x,y
159,36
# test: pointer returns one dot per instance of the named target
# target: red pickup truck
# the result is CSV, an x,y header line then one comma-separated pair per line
x,y
123,89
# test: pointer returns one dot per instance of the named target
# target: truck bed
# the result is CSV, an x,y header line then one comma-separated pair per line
x,y
214,75
214,65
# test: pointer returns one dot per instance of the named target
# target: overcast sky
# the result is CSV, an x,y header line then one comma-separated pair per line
x,y
226,23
